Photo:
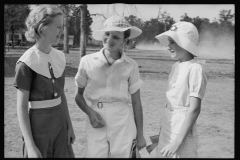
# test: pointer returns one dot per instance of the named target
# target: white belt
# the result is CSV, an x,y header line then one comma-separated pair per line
x,y
45,104
108,104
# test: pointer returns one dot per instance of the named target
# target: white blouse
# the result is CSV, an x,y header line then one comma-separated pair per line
x,y
186,79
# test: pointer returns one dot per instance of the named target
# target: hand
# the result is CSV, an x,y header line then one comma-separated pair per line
x,y
170,149
33,152
71,135
95,119
141,142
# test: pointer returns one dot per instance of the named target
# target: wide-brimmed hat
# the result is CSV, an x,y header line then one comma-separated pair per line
x,y
185,34
116,23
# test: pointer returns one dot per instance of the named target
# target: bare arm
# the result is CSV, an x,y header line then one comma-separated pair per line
x,y
190,119
24,122
95,119
138,116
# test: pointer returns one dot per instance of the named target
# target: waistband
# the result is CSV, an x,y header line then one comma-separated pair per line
x,y
170,108
44,104
109,104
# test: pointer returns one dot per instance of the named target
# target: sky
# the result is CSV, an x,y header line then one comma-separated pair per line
x,y
148,11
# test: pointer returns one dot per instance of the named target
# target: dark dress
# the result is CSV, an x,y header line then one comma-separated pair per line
x,y
48,125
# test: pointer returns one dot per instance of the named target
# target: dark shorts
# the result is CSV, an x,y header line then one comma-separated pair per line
x,y
49,130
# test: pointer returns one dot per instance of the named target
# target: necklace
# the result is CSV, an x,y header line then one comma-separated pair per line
x,y
107,59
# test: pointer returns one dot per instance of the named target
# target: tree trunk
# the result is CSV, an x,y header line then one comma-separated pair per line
x,y
66,38
12,39
77,33
4,43
83,12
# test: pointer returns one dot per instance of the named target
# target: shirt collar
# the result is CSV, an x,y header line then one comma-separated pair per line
x,y
192,61
123,56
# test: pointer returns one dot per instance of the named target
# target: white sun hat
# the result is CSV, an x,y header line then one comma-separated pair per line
x,y
116,23
185,34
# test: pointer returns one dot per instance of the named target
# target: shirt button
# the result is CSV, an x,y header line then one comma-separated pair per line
x,y
53,81
55,94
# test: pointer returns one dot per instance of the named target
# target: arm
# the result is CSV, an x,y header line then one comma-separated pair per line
x,y
24,122
138,116
95,119
190,119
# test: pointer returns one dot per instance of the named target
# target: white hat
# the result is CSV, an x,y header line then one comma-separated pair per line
x,y
116,23
185,34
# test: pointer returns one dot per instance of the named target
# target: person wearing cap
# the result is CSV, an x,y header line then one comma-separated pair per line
x,y
186,88
39,78
108,78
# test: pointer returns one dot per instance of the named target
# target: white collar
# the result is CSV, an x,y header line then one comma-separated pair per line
x,y
187,63
38,61
123,56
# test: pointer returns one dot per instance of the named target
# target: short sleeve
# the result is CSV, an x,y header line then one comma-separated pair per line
x,y
23,76
197,81
81,76
134,80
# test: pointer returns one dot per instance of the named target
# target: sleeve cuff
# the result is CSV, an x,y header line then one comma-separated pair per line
x,y
197,95
80,82
134,87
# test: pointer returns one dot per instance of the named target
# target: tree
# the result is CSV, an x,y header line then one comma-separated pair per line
x,y
226,21
134,21
185,18
88,20
165,20
83,8
226,16
13,21
66,39
74,24
67,9
151,29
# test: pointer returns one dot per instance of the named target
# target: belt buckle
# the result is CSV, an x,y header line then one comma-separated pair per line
x,y
101,106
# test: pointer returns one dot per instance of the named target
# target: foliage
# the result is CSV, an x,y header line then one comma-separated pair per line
x,y
152,27
15,16
14,19
224,25
217,29
74,24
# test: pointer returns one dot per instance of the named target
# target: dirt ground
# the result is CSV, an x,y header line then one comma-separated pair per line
x,y
215,122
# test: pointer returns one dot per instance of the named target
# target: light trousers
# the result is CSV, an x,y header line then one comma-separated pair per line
x,y
115,139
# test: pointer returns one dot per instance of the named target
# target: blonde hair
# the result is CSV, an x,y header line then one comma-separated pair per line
x,y
38,19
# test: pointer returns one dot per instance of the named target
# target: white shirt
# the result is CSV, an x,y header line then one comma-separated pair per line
x,y
106,83
186,79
